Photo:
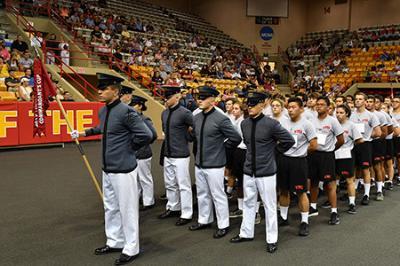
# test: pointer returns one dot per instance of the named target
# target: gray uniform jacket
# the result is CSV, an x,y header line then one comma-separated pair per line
x,y
175,124
145,152
211,130
123,132
262,135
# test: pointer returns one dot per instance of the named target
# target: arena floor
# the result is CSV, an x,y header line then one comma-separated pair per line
x,y
50,214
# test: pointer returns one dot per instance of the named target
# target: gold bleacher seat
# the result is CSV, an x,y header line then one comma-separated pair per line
x,y
7,96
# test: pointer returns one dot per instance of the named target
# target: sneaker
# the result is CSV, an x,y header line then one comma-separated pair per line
x,y
365,200
236,214
304,229
312,212
352,209
398,180
379,196
229,195
389,185
326,205
282,222
334,219
258,219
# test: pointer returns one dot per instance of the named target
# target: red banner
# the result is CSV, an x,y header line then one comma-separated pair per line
x,y
16,122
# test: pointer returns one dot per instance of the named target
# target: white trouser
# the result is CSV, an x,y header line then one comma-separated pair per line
x,y
266,186
210,189
146,186
178,186
121,211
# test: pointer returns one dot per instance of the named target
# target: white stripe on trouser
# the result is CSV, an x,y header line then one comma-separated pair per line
x,y
210,189
121,211
146,186
266,186
178,186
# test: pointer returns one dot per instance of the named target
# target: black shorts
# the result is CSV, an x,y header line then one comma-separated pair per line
x,y
363,155
345,167
292,173
229,157
239,156
389,149
322,167
396,147
378,150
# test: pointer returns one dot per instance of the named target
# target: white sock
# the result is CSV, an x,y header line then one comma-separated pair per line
x,y
379,186
240,204
257,206
304,217
334,210
337,182
284,211
356,182
321,185
367,187
314,205
352,200
229,189
362,181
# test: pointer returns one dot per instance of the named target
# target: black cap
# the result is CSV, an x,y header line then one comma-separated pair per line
x,y
126,90
254,98
206,91
138,100
170,90
105,80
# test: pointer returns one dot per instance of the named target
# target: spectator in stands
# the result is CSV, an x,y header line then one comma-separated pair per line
x,y
4,53
26,61
52,49
25,90
19,45
3,69
28,75
96,34
12,82
64,54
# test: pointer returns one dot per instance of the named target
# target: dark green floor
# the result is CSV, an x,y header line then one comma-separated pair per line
x,y
50,214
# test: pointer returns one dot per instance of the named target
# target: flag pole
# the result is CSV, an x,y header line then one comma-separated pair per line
x,y
94,179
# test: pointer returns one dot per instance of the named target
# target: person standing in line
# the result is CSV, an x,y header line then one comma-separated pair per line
x,y
214,132
176,122
261,135
123,132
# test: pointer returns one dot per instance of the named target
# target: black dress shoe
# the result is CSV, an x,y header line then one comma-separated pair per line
x,y
221,232
168,213
239,239
148,207
182,221
195,227
271,248
105,250
125,259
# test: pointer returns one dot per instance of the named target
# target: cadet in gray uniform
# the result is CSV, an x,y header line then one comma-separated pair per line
x,y
125,94
214,132
144,156
322,162
123,132
292,166
176,122
261,135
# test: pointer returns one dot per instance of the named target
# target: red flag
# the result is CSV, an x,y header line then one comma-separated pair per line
x,y
44,88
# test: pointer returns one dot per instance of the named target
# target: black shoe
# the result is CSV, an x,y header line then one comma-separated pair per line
x,y
313,212
163,197
182,221
282,222
221,232
271,248
352,209
145,208
238,239
365,200
125,259
334,219
379,196
105,250
326,205
304,229
390,186
195,227
168,213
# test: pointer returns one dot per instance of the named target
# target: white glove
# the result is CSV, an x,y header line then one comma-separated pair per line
x,y
74,134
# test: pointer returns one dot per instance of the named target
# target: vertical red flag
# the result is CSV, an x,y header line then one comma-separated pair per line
x,y
43,89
